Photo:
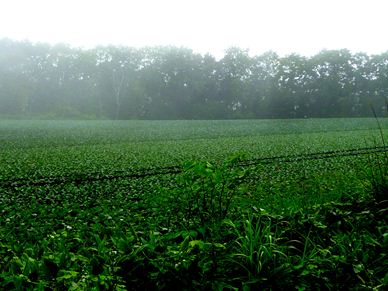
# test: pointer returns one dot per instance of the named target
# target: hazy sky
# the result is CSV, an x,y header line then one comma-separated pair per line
x,y
284,26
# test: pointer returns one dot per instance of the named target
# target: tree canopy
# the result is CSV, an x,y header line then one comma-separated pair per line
x,y
176,83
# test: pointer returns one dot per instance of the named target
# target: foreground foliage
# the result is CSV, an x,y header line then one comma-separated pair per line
x,y
196,242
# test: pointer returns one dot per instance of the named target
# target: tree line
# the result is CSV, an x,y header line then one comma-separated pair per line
x,y
175,83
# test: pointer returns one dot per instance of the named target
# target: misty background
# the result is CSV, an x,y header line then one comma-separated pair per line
x,y
168,82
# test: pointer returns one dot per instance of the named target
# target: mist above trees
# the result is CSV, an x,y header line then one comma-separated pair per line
x,y
176,83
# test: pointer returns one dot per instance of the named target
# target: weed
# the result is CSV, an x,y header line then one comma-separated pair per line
x,y
205,192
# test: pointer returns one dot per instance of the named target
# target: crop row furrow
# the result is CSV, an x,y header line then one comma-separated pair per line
x,y
315,156
78,178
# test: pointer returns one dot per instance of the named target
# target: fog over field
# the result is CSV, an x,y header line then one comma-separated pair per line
x,y
193,60
193,145
43,81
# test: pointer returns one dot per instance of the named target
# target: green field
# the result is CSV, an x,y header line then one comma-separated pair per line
x,y
35,148
94,204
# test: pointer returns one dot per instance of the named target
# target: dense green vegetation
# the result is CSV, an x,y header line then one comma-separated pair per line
x,y
73,217
39,80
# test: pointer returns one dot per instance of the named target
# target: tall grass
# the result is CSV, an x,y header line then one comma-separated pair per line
x,y
379,168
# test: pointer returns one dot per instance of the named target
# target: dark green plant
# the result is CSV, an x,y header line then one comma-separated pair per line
x,y
379,168
204,192
256,250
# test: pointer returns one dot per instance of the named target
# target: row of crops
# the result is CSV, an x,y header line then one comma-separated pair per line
x,y
177,169
41,148
192,205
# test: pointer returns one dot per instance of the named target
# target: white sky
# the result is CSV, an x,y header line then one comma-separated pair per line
x,y
284,26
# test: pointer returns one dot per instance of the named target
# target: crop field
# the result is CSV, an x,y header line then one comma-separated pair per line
x,y
216,205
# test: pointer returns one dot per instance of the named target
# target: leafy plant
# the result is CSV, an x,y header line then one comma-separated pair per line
x,y
256,250
204,192
378,168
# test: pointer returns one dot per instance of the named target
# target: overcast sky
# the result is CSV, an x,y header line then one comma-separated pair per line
x,y
284,26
